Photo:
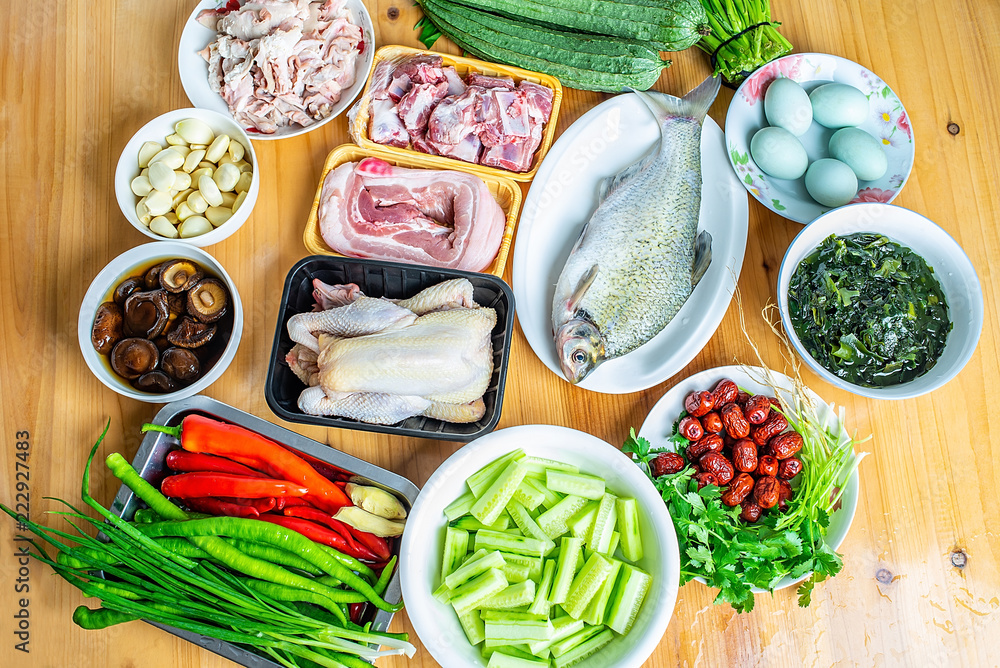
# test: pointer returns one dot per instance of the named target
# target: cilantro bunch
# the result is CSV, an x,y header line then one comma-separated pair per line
x,y
735,556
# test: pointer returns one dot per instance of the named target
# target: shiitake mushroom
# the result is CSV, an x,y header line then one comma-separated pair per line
x,y
207,301
180,364
179,275
107,329
155,381
132,357
146,314
126,288
151,279
190,333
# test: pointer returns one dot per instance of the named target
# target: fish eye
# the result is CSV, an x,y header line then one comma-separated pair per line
x,y
579,356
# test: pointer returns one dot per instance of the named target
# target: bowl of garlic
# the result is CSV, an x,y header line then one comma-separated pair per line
x,y
190,175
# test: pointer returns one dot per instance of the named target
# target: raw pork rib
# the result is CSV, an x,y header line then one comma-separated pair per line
x,y
440,218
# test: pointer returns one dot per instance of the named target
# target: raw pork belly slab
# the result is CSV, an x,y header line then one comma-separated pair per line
x,y
440,218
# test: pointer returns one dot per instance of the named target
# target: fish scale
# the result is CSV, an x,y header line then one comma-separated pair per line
x,y
643,241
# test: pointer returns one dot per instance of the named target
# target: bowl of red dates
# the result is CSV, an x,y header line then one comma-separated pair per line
x,y
731,424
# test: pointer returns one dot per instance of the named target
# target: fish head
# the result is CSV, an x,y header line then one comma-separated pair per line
x,y
580,347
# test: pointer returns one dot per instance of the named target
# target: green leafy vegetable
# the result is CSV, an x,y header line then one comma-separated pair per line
x,y
429,33
743,37
869,310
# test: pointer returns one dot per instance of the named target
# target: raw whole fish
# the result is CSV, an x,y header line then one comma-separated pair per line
x,y
441,218
640,255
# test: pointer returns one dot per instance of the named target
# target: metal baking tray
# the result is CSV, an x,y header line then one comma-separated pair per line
x,y
150,462
397,281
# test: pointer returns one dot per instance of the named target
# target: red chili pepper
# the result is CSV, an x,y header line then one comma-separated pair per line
x,y
262,506
376,544
317,515
188,485
182,460
319,534
198,433
356,611
292,501
327,470
213,506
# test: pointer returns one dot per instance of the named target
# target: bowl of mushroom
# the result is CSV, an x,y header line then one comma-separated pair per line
x,y
190,175
161,322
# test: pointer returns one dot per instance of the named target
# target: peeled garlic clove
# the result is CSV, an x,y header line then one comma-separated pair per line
x,y
243,185
198,147
217,148
226,177
210,191
245,166
183,150
161,177
236,150
169,157
176,140
172,217
226,159
228,199
239,201
192,160
147,151
144,172
142,213
194,226
205,164
141,186
198,173
158,202
217,215
194,131
181,196
160,225
197,202
184,211
182,180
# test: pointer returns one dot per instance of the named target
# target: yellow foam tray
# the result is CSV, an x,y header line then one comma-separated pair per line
x,y
360,121
506,192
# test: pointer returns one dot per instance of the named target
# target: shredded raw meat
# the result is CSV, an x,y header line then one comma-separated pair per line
x,y
281,62
493,121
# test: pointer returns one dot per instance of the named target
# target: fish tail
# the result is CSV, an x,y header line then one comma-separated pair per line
x,y
693,105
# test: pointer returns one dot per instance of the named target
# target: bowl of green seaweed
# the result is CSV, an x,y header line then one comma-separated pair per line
x,y
880,301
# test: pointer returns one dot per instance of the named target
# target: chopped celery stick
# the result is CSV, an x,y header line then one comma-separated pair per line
x,y
472,624
477,564
566,644
563,627
585,585
569,550
494,540
587,648
541,605
549,498
628,599
595,612
507,659
470,523
477,590
456,543
628,527
604,524
442,593
514,596
528,496
524,522
553,521
518,631
507,615
515,572
488,507
460,506
481,480
581,523
538,465
576,484
615,539
534,564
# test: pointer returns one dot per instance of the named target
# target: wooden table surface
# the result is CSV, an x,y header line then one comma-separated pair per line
x,y
80,78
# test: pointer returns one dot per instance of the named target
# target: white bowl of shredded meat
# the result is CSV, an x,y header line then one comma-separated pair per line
x,y
279,67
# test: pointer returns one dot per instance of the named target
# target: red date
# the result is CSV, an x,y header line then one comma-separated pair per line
x,y
712,443
745,456
734,421
699,403
767,465
717,465
757,409
712,423
739,489
784,495
666,463
741,398
772,426
765,492
785,445
706,479
690,428
789,468
725,392
751,511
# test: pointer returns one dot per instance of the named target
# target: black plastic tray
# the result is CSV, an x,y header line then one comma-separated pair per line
x,y
396,281
150,462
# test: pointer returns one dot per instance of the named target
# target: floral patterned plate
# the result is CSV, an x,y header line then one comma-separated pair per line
x,y
887,122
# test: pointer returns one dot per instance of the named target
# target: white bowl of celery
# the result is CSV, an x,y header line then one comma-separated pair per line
x,y
539,546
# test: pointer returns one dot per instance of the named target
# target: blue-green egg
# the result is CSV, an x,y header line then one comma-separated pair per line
x,y
787,105
778,153
831,182
837,105
861,152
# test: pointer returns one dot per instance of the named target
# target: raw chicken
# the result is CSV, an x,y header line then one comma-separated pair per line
x,y
441,218
435,360
281,62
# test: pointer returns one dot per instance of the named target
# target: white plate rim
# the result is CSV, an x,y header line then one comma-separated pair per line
x,y
672,401
194,80
538,336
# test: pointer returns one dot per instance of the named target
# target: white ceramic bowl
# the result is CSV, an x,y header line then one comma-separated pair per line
x,y
659,425
194,70
423,541
951,267
157,130
887,122
133,262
